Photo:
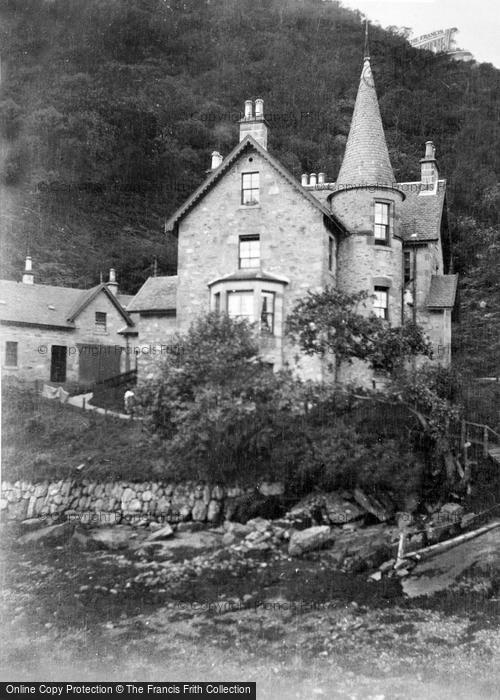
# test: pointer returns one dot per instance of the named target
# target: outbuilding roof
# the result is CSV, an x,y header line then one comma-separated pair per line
x,y
45,305
442,292
156,294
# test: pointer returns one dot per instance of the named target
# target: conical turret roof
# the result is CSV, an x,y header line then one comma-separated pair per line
x,y
366,158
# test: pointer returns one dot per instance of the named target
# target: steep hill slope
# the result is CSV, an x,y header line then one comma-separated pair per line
x,y
109,113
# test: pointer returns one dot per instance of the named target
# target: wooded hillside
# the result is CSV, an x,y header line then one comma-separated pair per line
x,y
109,112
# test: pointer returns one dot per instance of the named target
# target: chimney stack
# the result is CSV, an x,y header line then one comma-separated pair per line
x,y
253,123
28,276
112,285
216,160
428,164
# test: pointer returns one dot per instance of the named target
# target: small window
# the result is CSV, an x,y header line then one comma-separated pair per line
x,y
240,305
407,267
217,302
249,255
381,231
10,353
100,320
250,188
267,313
330,253
381,302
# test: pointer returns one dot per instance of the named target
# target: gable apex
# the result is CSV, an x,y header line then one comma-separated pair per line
x,y
249,143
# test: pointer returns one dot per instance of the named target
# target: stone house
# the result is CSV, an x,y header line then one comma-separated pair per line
x,y
252,239
153,312
64,335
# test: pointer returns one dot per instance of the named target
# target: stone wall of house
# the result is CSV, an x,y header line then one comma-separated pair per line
x,y
35,343
154,341
34,352
294,243
113,502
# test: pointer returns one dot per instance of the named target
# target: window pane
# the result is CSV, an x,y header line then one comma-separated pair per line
x,y
267,312
250,252
250,188
240,305
381,302
381,213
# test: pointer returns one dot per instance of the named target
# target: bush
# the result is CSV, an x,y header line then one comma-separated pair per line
x,y
217,406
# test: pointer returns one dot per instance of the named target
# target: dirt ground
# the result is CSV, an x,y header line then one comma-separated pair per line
x,y
294,625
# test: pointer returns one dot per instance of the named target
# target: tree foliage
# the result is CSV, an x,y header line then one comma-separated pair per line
x,y
331,324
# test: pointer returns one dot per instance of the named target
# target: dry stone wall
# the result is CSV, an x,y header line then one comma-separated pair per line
x,y
123,501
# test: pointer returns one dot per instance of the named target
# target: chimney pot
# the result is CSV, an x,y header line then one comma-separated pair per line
x,y
259,109
321,178
28,276
216,159
429,174
248,109
312,179
112,285
305,179
430,151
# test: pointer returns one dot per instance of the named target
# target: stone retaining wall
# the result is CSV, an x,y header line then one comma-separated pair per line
x,y
113,502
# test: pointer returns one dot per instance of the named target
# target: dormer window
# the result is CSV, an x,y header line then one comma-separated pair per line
x,y
249,252
381,225
250,189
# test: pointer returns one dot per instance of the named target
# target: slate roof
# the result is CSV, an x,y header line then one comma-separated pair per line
x,y
366,158
250,143
156,294
442,292
421,212
45,305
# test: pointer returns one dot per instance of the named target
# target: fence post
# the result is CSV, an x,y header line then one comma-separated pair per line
x,y
485,441
83,404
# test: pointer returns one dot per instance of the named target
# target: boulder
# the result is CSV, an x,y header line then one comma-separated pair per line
x,y
371,505
200,510
117,537
53,534
162,534
32,524
214,511
237,529
325,508
307,540
272,488
259,524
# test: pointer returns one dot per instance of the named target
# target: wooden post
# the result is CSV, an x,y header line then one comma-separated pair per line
x,y
462,433
83,404
401,549
485,441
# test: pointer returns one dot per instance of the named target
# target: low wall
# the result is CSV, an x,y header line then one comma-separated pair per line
x,y
124,501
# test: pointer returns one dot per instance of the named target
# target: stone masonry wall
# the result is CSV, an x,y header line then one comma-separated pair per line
x,y
294,243
114,502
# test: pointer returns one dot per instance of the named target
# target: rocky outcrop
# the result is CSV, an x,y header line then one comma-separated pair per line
x,y
313,538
